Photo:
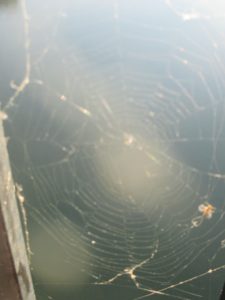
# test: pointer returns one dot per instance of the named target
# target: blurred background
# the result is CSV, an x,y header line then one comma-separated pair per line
x,y
114,114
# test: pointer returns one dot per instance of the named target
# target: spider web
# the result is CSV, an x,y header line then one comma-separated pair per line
x,y
116,126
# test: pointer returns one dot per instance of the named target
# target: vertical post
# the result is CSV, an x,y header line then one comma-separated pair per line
x,y
15,276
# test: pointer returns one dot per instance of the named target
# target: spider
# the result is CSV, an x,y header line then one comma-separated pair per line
x,y
207,210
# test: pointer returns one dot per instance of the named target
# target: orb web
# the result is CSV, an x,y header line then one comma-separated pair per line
x,y
116,138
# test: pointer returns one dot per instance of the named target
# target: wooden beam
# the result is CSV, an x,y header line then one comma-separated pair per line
x,y
15,276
